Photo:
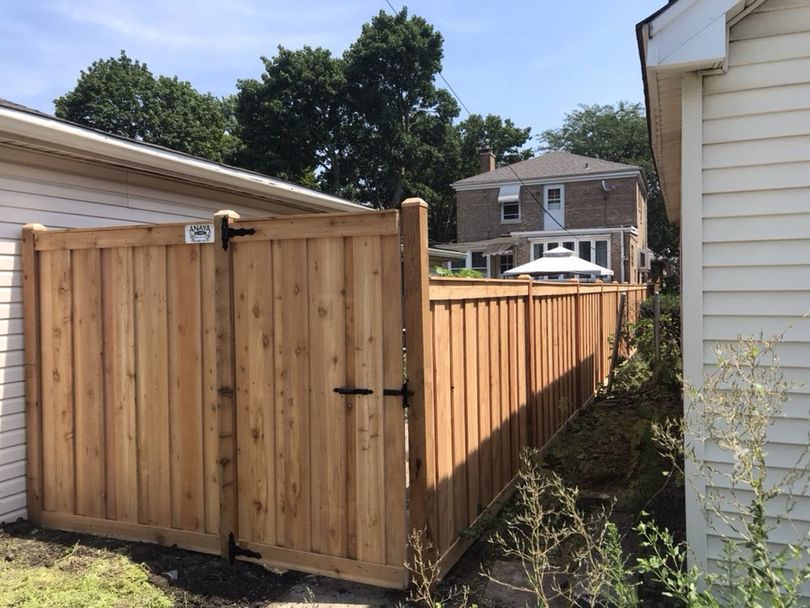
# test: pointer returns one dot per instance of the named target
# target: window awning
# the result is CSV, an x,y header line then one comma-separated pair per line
x,y
499,249
509,194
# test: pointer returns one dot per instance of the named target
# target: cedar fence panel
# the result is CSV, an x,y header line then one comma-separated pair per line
x,y
510,363
184,393
121,432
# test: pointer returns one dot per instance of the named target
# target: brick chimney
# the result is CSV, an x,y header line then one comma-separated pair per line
x,y
487,160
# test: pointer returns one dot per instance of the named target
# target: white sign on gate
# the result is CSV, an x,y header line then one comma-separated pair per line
x,y
199,233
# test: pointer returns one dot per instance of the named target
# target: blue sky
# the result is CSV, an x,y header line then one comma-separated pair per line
x,y
532,61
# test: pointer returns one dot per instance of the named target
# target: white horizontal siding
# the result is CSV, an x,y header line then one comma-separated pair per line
x,y
757,278
772,23
756,202
756,126
760,152
729,327
740,178
755,224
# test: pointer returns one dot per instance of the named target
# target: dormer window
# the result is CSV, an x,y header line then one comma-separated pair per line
x,y
509,200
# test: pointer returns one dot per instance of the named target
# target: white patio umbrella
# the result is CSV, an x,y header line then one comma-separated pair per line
x,y
560,261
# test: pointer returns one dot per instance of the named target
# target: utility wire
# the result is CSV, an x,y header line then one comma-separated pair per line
x,y
522,183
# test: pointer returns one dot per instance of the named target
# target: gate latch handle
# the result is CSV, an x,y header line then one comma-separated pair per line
x,y
351,390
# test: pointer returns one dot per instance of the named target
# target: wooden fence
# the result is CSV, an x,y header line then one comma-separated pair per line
x,y
510,361
244,398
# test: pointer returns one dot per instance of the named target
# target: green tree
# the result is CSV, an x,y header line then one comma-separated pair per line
x,y
398,117
121,96
619,134
506,141
460,158
293,121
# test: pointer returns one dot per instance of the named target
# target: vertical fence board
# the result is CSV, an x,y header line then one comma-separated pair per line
x,y
327,326
495,401
444,447
471,410
394,444
255,420
152,391
119,385
209,389
33,371
483,405
88,384
290,318
349,401
185,388
458,416
370,454
58,455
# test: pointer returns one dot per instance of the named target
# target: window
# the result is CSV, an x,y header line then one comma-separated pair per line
x,y
600,249
458,264
507,262
595,251
509,198
585,250
554,198
510,212
478,262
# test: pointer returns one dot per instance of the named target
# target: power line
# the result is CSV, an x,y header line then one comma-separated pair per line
x,y
522,183
453,91
449,86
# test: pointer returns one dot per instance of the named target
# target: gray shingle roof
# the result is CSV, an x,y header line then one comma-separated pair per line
x,y
549,165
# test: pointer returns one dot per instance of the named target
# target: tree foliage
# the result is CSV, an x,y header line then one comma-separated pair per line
x,y
292,123
619,134
501,136
121,96
399,118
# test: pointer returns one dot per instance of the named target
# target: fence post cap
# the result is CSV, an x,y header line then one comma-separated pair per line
x,y
34,227
414,202
525,277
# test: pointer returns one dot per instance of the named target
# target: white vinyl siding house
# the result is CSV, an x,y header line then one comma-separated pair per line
x,y
44,181
740,183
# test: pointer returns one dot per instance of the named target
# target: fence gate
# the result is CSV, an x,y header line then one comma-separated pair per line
x,y
317,446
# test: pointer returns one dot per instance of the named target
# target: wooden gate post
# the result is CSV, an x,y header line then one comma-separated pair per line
x,y
225,374
33,410
419,349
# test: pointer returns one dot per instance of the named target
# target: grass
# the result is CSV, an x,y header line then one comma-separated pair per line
x,y
79,580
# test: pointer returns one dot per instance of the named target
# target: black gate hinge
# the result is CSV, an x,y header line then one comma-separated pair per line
x,y
235,550
400,392
228,233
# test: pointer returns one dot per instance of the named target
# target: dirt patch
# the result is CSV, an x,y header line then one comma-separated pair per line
x,y
190,579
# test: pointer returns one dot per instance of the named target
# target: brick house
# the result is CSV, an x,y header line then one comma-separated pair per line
x,y
513,214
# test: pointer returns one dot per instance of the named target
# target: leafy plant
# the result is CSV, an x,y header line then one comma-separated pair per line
x,y
468,273
744,502
425,576
567,554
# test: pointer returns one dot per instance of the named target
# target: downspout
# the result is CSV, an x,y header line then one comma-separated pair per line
x,y
622,252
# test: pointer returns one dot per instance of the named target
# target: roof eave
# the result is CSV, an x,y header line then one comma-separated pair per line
x,y
683,36
461,186
58,135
